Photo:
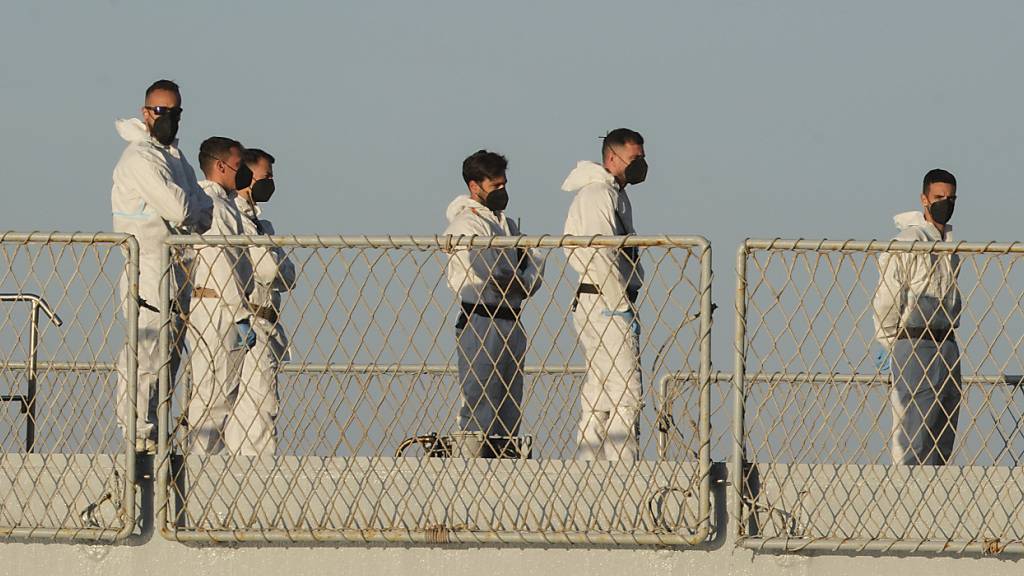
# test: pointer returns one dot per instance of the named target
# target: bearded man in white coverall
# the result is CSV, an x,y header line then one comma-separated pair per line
x,y
491,284
604,310
250,429
219,327
155,194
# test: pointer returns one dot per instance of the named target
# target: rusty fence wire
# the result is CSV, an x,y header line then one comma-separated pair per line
x,y
344,415
848,437
66,468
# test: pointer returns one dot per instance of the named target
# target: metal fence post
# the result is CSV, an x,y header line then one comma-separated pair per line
x,y
736,471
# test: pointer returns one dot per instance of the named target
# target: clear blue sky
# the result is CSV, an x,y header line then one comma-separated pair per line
x,y
794,119
762,118
789,118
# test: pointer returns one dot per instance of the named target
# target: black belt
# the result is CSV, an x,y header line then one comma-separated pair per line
x,y
487,311
631,293
935,335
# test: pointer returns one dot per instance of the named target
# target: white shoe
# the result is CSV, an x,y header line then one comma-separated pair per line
x,y
145,446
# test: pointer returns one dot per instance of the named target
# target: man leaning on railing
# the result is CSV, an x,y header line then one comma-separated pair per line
x,y
251,427
916,312
155,194
491,284
219,327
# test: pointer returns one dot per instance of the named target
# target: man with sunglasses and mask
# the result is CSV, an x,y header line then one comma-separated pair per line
x,y
219,324
916,312
491,284
604,309
250,430
155,194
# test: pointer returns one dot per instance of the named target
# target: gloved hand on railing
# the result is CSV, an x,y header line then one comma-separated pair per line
x,y
883,361
628,316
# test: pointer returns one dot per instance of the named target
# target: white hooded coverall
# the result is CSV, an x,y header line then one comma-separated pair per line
x,y
606,323
155,194
250,430
222,281
490,349
916,310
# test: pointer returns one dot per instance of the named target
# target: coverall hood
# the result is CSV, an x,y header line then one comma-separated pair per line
x,y
915,219
131,129
586,173
460,204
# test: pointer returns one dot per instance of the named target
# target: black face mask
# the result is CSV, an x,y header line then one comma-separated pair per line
x,y
942,210
636,172
496,200
165,129
262,190
243,177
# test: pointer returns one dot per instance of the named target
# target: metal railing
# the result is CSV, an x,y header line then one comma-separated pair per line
x,y
27,401
805,418
72,476
373,363
814,417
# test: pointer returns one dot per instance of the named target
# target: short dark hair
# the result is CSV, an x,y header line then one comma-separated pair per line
x,y
215,148
938,176
620,137
481,165
167,85
251,156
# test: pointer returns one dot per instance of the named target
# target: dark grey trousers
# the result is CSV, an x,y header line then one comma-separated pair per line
x,y
925,401
490,356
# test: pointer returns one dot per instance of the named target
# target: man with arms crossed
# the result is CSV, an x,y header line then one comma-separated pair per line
x,y
155,194
491,284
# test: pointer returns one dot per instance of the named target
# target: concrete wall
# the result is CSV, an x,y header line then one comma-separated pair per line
x,y
149,554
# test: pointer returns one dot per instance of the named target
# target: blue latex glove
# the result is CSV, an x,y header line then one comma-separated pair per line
x,y
628,316
883,361
246,335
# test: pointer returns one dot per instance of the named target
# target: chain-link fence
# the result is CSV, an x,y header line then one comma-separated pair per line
x,y
878,408
66,468
350,394
431,389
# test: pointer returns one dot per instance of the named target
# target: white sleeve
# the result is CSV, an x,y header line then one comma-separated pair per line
x,y
229,266
239,286
529,267
596,213
272,265
473,271
890,297
147,174
200,206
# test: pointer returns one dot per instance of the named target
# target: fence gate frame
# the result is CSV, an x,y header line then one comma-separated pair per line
x,y
738,466
125,500
699,246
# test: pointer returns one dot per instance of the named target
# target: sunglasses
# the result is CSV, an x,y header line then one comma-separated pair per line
x,y
161,110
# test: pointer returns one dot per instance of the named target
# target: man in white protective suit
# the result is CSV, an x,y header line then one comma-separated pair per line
x,y
917,310
604,311
250,430
491,284
220,326
155,194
